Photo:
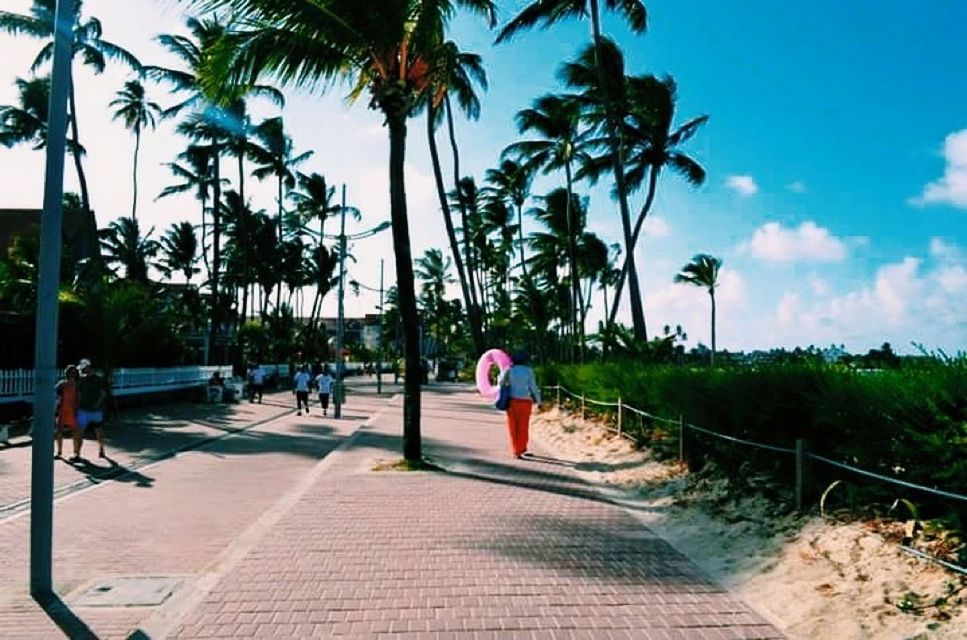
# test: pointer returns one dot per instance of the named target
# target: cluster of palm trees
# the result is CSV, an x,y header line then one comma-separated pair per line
x,y
534,287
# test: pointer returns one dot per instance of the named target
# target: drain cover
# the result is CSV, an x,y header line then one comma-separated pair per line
x,y
127,592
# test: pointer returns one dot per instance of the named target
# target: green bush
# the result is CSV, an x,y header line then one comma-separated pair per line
x,y
909,423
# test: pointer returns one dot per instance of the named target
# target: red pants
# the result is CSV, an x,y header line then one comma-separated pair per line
x,y
518,423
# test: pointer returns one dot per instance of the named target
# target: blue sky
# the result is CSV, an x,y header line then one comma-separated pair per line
x,y
837,181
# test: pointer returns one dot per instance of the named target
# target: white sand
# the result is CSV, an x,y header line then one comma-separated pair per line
x,y
811,578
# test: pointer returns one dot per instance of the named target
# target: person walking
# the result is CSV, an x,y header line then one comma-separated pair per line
x,y
300,386
324,383
524,392
66,413
256,382
91,397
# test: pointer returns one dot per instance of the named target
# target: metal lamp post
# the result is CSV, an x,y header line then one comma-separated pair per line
x,y
340,318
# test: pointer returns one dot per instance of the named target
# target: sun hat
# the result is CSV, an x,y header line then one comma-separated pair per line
x,y
520,356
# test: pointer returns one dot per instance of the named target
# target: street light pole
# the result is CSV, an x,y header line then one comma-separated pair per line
x,y
337,412
379,356
45,353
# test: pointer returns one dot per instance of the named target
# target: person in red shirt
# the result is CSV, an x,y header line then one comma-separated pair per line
x,y
66,414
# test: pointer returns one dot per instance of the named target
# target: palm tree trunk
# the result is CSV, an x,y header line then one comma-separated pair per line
x,y
463,207
241,177
629,266
412,440
94,247
572,259
278,291
473,314
216,253
711,294
134,198
520,234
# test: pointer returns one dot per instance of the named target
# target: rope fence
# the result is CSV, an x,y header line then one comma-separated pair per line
x,y
802,458
800,451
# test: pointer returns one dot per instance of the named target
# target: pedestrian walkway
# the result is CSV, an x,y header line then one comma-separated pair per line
x,y
488,547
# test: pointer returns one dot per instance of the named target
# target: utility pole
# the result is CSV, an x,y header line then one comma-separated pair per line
x,y
337,411
379,357
45,348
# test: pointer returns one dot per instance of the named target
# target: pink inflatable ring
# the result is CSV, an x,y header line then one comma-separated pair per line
x,y
487,361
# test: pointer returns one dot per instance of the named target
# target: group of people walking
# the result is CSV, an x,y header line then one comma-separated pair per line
x,y
303,383
81,397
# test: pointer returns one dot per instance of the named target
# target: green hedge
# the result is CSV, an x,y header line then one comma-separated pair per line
x,y
909,423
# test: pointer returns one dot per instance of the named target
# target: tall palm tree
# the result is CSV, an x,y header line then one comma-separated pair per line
x,y
599,76
560,144
703,271
125,246
511,183
179,249
137,113
86,42
546,13
455,72
434,270
383,47
276,158
653,142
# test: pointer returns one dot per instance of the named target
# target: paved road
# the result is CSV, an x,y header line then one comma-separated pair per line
x,y
281,544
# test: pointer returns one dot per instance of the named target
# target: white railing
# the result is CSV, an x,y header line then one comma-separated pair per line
x,y
18,385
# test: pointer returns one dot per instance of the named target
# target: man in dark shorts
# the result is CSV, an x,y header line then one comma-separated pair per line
x,y
91,398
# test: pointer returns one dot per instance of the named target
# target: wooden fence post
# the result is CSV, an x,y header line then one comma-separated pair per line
x,y
583,414
802,474
619,415
681,438
558,396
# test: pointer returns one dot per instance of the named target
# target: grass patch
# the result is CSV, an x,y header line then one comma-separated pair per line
x,y
401,464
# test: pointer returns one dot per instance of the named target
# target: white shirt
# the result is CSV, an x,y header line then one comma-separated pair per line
x,y
301,381
324,382
523,385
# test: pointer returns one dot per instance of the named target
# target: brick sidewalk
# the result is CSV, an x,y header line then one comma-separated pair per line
x,y
493,548
178,518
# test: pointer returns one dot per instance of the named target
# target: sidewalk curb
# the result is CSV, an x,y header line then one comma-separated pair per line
x,y
184,600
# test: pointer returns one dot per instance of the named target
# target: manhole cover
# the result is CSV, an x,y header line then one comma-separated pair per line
x,y
127,592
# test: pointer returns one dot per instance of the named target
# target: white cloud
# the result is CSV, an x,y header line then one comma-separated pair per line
x,y
656,227
796,187
818,285
807,243
743,185
952,187
689,306
943,250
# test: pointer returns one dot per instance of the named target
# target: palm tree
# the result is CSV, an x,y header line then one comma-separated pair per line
x,y
125,246
26,122
599,75
277,158
137,112
546,13
434,270
455,72
703,271
653,143
179,248
383,46
560,145
88,43
511,183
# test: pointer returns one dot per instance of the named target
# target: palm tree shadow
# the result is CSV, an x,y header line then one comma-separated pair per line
x,y
65,618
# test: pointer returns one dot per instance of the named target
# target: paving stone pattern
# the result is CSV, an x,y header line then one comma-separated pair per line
x,y
500,548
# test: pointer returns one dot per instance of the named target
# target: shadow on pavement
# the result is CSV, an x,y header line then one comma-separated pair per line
x,y
68,622
112,471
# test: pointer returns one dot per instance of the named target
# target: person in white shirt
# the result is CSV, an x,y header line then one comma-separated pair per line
x,y
300,386
256,382
324,383
524,392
